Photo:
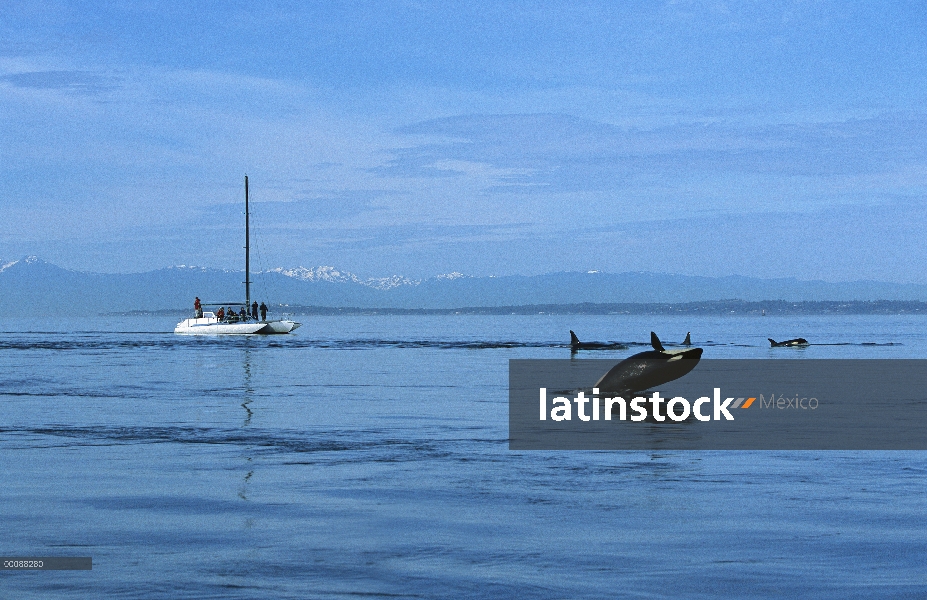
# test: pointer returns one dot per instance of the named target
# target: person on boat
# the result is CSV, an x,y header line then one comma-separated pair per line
x,y
254,309
263,311
220,314
198,308
243,314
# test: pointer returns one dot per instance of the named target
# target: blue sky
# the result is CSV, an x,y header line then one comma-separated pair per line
x,y
710,138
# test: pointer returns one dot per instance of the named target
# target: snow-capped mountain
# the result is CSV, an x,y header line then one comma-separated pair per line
x,y
29,260
318,274
323,273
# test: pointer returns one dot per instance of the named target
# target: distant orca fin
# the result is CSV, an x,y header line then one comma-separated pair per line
x,y
574,341
688,340
655,342
773,342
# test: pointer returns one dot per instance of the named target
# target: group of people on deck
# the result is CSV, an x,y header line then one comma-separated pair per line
x,y
242,315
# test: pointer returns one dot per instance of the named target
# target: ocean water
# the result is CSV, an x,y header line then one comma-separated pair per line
x,y
368,457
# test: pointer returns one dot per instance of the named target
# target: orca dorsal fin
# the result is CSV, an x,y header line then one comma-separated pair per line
x,y
655,342
574,341
688,340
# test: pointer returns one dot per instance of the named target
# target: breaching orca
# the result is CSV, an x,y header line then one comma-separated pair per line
x,y
796,342
645,370
575,344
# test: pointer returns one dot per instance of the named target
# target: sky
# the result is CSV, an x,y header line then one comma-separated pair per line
x,y
767,139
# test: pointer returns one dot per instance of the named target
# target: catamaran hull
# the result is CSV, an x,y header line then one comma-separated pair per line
x,y
281,326
205,327
209,326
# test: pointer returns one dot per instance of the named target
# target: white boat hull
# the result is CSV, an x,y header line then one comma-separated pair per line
x,y
212,326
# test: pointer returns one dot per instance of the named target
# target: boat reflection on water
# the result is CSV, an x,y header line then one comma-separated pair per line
x,y
247,398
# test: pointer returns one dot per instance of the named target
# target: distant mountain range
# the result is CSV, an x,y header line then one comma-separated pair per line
x,y
31,286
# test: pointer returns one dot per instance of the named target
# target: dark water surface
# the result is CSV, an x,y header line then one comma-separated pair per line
x,y
367,457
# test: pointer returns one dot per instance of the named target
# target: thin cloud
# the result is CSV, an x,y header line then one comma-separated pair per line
x,y
78,82
566,154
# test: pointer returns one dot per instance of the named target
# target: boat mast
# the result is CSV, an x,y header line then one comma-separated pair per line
x,y
247,254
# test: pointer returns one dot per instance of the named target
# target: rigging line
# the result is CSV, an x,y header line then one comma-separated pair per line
x,y
256,244
266,288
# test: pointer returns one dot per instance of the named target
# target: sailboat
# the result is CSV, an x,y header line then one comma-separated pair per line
x,y
208,323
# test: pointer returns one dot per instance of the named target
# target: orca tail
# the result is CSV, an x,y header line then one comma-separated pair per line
x,y
688,340
772,342
655,342
574,341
